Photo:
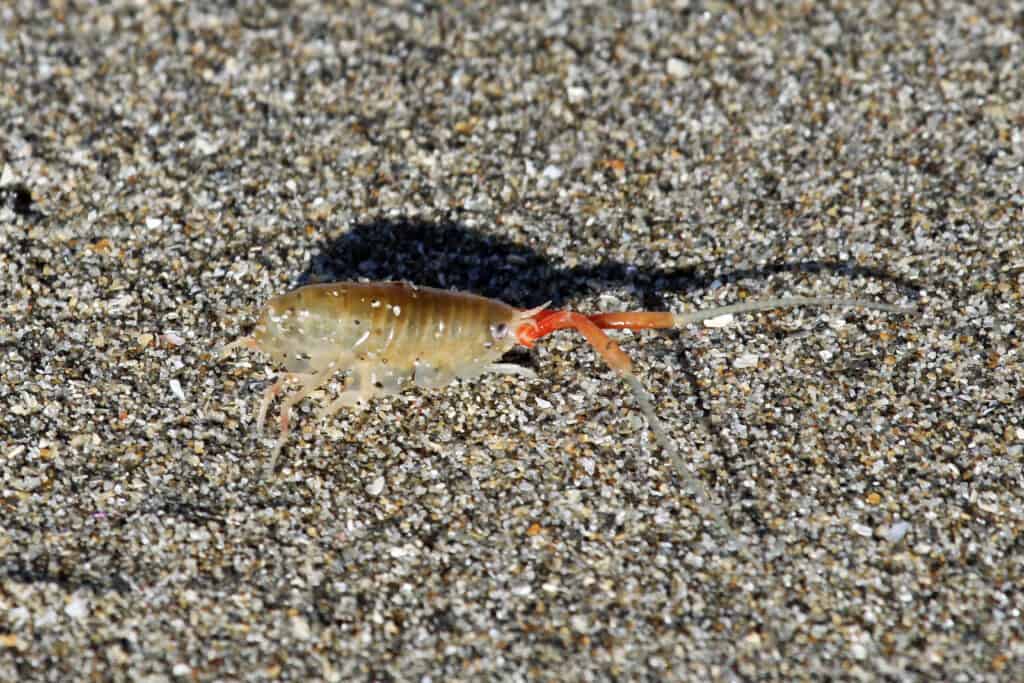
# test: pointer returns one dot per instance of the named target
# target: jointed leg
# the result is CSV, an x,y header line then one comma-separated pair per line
x,y
246,342
541,323
269,395
309,385
546,322
359,390
272,391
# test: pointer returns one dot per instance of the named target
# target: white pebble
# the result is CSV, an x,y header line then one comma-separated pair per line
x,y
19,616
77,607
861,530
375,487
719,321
120,303
28,484
300,628
177,390
576,94
896,532
172,338
677,68
206,147
747,360
400,551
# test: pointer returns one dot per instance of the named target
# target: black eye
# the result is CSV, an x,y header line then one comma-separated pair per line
x,y
498,331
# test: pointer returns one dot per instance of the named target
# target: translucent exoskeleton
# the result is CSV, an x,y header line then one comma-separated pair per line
x,y
386,335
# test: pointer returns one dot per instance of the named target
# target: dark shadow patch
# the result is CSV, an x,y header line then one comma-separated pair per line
x,y
18,198
451,256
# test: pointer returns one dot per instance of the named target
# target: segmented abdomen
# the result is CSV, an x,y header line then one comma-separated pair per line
x,y
398,329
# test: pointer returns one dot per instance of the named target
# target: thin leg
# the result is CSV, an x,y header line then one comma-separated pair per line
x,y
359,390
309,385
246,342
546,322
697,489
350,398
269,395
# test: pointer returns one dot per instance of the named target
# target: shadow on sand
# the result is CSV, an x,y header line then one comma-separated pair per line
x,y
451,256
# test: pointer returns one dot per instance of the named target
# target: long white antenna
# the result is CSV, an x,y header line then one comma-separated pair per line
x,y
681,319
694,485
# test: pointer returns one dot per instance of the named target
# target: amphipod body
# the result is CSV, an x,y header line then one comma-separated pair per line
x,y
389,333
385,334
